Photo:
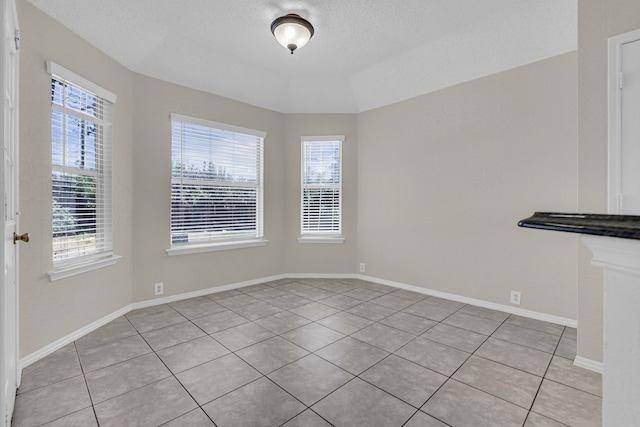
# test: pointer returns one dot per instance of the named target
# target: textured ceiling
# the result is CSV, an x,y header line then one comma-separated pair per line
x,y
364,54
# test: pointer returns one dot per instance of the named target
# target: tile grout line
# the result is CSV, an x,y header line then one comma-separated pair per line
x,y
249,364
490,336
543,378
450,377
353,287
357,376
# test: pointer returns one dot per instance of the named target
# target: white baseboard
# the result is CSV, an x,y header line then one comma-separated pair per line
x,y
45,351
58,344
589,364
319,276
201,292
481,303
208,291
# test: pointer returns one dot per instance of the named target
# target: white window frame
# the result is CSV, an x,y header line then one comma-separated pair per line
x,y
259,240
84,263
308,236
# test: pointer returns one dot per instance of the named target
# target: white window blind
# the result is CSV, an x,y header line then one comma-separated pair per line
x,y
322,185
216,182
81,172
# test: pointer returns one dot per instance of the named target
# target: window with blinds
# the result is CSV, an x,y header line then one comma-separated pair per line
x,y
322,186
216,182
81,172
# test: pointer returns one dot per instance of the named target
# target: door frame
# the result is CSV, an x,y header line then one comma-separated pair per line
x,y
614,199
9,12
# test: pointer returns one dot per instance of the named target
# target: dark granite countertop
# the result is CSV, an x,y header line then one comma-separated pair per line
x,y
622,226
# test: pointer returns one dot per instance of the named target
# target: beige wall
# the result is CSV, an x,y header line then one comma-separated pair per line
x,y
444,178
597,21
433,188
155,100
51,310
320,258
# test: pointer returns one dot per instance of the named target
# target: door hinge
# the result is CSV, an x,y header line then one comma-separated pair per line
x,y
17,39
620,80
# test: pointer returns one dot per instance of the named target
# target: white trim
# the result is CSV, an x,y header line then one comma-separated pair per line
x,y
319,276
186,138
320,239
303,187
58,70
76,263
589,364
614,254
620,259
45,351
212,247
221,126
615,118
202,292
614,125
58,344
10,372
480,303
74,269
323,138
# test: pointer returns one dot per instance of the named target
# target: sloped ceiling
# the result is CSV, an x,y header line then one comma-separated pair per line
x,y
364,54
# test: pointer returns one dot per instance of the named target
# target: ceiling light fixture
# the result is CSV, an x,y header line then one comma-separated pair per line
x,y
292,31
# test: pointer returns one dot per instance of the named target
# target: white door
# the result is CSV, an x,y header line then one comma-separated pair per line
x,y
624,124
9,200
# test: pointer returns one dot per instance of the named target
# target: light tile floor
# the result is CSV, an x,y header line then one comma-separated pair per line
x,y
314,352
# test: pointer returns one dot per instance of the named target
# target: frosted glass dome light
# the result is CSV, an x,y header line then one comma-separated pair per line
x,y
292,31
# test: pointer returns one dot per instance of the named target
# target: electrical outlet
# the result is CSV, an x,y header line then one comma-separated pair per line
x,y
159,288
515,297
362,267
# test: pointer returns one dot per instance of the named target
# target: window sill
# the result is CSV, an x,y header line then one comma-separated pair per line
x,y
321,239
74,269
212,247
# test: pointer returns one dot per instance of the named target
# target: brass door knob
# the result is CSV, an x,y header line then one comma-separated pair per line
x,y
24,237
